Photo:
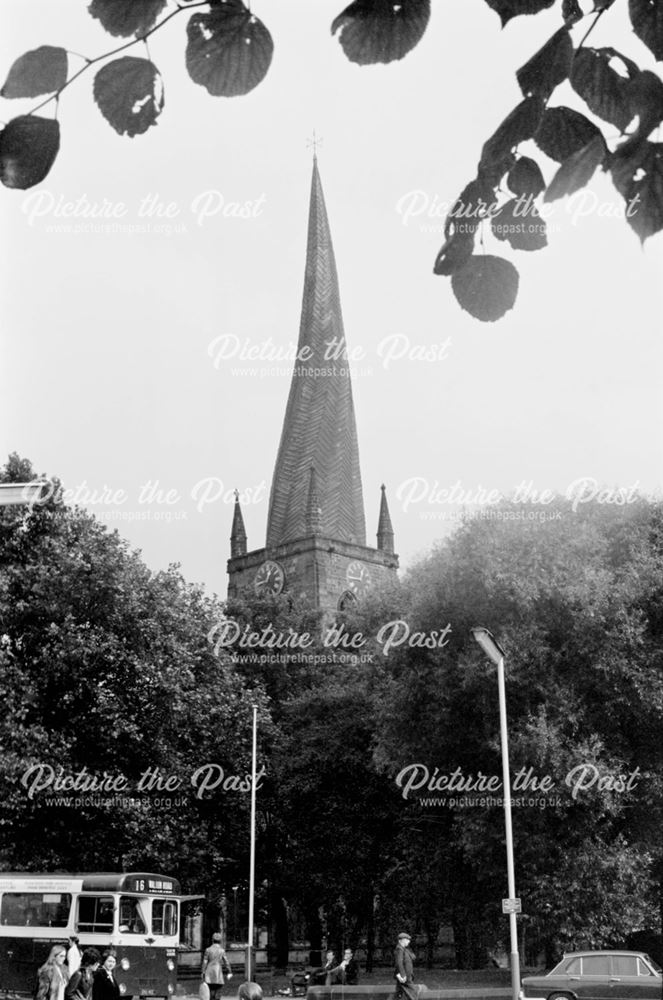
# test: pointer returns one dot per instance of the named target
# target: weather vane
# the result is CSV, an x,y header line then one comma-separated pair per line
x,y
314,143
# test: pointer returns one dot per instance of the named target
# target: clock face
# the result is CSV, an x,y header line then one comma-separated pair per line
x,y
358,578
269,579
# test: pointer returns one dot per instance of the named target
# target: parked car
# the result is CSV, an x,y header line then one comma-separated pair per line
x,y
597,975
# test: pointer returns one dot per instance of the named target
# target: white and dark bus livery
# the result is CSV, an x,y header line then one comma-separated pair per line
x,y
140,915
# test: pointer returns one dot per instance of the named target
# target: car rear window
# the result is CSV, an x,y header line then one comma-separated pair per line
x,y
596,965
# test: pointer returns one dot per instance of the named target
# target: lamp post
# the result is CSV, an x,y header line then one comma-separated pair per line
x,y
235,888
495,653
252,862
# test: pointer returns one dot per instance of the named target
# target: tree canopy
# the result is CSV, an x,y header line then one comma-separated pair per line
x,y
380,789
106,669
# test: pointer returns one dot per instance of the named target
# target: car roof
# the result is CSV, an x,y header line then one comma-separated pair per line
x,y
605,951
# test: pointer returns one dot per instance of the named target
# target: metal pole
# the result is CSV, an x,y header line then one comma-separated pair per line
x,y
252,863
513,928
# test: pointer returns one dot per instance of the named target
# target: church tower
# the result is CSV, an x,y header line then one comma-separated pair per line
x,y
316,529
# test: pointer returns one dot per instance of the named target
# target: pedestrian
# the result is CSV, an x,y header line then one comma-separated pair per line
x,y
104,986
214,961
346,972
52,976
404,969
319,976
73,956
80,983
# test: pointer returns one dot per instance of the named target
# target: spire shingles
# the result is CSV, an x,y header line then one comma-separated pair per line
x,y
319,429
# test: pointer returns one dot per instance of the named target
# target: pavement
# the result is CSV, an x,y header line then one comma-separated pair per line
x,y
185,991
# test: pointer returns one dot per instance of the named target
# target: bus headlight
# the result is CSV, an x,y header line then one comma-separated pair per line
x,y
170,965
125,964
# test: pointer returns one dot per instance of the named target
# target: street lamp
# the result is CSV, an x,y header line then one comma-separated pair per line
x,y
495,653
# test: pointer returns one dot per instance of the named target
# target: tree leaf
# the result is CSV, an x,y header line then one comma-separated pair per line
x,y
571,12
563,132
604,91
120,18
28,147
647,21
525,177
518,223
645,98
638,176
456,251
486,287
41,71
380,31
129,93
548,67
229,50
577,170
518,126
469,208
511,8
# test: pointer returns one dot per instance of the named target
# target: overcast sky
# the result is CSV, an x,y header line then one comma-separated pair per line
x,y
120,349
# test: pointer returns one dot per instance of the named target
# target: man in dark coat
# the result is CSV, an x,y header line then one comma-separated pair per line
x,y
404,969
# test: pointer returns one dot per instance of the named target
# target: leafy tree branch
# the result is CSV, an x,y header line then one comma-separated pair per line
x,y
229,51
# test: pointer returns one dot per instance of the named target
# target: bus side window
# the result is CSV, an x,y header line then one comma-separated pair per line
x,y
31,909
95,914
164,917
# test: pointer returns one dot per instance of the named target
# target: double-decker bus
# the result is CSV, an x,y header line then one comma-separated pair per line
x,y
137,914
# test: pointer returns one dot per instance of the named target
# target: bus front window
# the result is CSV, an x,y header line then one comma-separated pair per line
x,y
132,920
164,917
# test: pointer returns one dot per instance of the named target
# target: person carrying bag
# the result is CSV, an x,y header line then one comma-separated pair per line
x,y
214,961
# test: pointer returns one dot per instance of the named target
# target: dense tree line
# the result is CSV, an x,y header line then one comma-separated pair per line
x,y
108,667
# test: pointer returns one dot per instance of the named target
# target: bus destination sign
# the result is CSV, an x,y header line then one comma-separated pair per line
x,y
143,884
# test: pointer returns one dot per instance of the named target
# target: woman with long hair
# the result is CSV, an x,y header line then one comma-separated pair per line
x,y
52,976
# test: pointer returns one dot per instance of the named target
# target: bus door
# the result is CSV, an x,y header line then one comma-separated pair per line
x,y
190,949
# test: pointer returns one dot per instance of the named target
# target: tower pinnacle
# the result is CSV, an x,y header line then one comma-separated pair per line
x,y
238,532
385,529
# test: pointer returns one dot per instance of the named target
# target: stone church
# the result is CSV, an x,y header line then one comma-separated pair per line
x,y
316,531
